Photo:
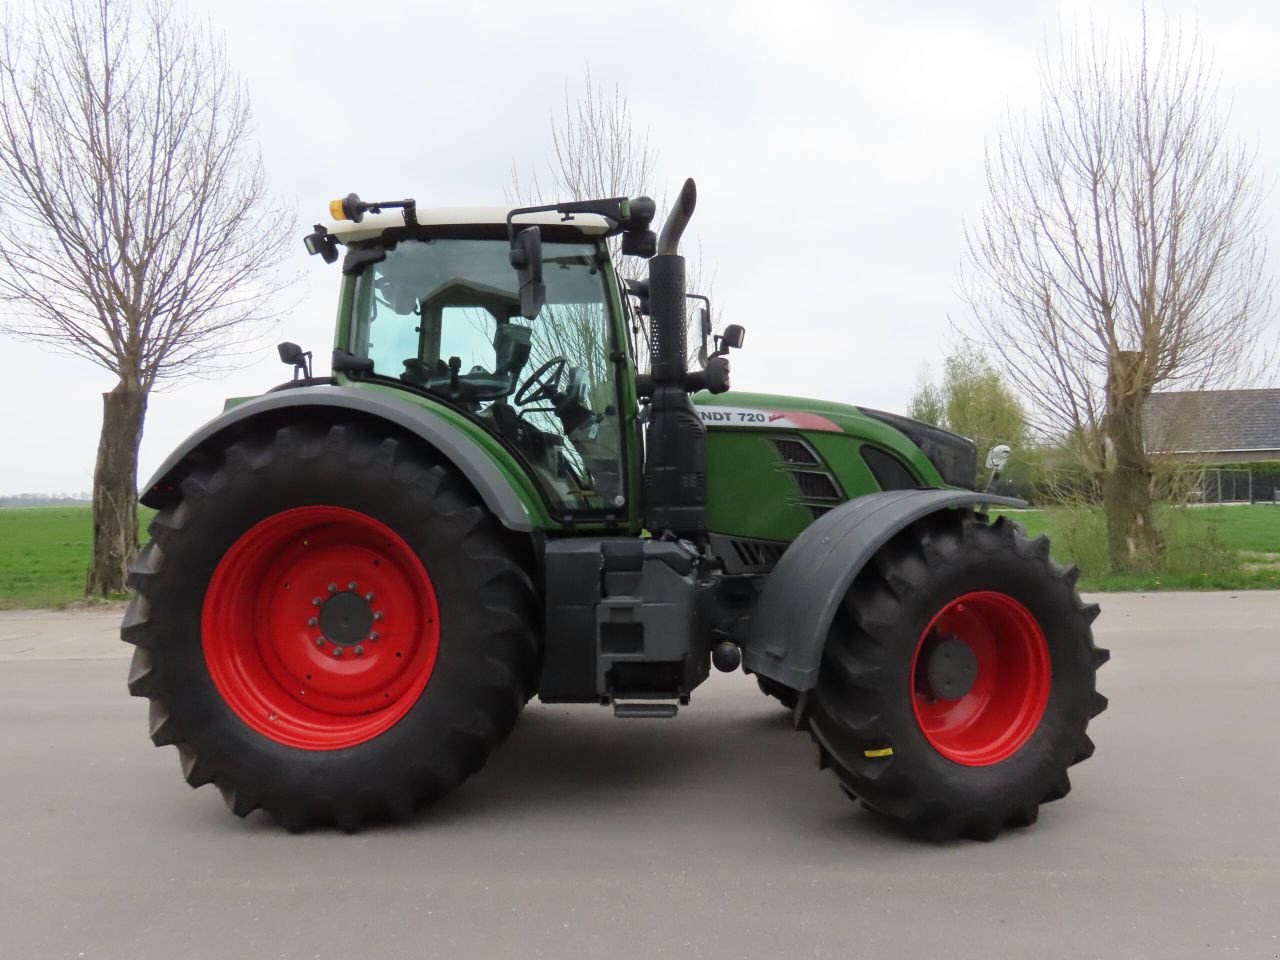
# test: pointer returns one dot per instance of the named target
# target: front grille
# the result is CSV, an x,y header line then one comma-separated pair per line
x,y
815,486
794,451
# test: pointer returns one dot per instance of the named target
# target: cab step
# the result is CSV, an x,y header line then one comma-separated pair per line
x,y
644,711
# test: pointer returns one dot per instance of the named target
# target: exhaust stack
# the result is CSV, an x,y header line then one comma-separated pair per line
x,y
675,470
668,339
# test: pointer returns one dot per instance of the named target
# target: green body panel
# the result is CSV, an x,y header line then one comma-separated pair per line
x,y
751,492
525,486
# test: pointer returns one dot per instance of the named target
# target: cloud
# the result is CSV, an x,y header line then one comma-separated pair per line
x,y
838,149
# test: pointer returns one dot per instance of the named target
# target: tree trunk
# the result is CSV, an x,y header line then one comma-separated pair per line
x,y
1133,542
115,490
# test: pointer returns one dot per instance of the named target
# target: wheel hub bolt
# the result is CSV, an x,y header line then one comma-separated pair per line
x,y
312,622
374,635
333,588
351,586
337,651
316,601
952,669
319,641
359,651
377,615
368,596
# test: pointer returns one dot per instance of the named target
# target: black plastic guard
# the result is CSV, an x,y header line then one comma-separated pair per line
x,y
800,598
330,401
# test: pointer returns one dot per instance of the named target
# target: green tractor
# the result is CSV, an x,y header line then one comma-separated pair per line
x,y
354,583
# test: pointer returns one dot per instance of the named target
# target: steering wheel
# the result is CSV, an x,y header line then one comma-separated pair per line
x,y
546,380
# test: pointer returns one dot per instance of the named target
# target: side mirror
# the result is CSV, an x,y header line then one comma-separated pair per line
x,y
319,241
296,357
702,317
998,457
526,257
731,339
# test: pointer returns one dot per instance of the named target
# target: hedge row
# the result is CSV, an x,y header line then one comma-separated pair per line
x,y
1266,482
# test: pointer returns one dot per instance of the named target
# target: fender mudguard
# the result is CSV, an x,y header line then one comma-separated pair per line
x,y
800,598
463,452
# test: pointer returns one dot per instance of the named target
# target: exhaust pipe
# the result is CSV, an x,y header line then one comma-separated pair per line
x,y
668,341
678,219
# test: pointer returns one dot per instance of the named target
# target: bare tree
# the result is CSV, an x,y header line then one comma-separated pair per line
x,y
598,152
136,233
1120,251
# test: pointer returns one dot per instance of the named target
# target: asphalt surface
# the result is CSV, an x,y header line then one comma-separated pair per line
x,y
712,835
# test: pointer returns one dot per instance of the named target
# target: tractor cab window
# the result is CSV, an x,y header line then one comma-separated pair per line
x,y
444,316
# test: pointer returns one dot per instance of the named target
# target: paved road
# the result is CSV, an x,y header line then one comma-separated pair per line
x,y
709,836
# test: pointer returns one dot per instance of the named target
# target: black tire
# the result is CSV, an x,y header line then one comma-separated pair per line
x,y
783,694
485,652
863,714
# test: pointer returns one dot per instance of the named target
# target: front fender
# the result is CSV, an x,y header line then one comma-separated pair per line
x,y
800,598
274,409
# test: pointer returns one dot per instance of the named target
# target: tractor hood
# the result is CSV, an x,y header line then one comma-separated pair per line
x,y
735,409
953,457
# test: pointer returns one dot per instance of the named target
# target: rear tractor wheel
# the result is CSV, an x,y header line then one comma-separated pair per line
x,y
329,626
958,679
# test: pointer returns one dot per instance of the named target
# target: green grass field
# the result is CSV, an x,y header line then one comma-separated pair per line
x,y
44,551
1209,548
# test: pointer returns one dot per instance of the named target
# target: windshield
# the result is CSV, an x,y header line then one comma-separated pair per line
x,y
444,316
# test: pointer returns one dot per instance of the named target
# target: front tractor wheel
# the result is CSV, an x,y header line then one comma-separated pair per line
x,y
958,679
778,691
330,627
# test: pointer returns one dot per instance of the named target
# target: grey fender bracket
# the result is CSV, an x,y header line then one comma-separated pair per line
x,y
800,598
462,452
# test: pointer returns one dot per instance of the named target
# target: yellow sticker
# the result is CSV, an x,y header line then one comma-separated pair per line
x,y
882,752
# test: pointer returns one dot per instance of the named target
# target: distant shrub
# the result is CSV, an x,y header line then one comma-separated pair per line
x,y
1192,546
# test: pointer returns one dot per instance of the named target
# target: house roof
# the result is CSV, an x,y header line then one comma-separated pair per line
x,y
1212,421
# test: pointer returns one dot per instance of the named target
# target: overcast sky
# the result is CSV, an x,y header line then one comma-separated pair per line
x,y
838,149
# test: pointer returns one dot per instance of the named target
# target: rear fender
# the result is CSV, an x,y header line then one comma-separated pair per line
x,y
801,596
328,403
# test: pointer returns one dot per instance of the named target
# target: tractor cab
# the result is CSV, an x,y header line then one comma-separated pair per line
x,y
441,316
435,305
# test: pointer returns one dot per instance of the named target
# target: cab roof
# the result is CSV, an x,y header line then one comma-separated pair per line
x,y
373,224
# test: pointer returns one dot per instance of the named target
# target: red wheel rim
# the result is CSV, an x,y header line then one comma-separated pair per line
x,y
1010,687
320,628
